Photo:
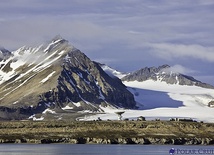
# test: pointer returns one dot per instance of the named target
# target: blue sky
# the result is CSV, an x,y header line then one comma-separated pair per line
x,y
125,34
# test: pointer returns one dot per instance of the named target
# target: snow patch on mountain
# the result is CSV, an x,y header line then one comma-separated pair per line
x,y
49,76
157,99
49,111
159,92
34,118
40,58
112,72
67,107
186,94
77,104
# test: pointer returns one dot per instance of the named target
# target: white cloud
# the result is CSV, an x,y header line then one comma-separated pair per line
x,y
179,69
206,2
172,51
133,33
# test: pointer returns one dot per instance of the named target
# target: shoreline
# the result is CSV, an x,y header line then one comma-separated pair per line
x,y
107,132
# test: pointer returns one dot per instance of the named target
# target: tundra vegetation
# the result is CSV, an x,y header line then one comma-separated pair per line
x,y
107,132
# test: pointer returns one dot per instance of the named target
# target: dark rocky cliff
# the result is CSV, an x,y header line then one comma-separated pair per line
x,y
54,76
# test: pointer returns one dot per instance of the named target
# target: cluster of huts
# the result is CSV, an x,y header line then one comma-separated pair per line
x,y
141,118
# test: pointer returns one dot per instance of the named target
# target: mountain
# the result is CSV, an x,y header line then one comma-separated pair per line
x,y
57,81
164,73
56,78
162,94
112,72
4,54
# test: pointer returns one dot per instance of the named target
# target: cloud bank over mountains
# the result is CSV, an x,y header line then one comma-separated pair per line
x,y
125,34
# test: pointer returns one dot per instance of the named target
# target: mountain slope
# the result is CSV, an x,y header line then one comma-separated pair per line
x,y
58,77
4,54
157,98
165,74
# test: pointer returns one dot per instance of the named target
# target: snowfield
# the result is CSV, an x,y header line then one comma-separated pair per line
x,y
157,99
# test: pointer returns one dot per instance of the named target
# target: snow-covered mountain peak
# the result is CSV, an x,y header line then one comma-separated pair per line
x,y
32,58
56,75
162,92
57,38
165,74
112,72
57,78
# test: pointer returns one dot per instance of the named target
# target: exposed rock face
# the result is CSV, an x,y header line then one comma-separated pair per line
x,y
163,73
142,141
211,104
4,54
91,83
55,76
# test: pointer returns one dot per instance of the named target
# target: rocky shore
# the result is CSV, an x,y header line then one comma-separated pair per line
x,y
108,132
143,141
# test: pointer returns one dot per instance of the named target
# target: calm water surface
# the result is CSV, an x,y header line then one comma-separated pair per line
x,y
78,149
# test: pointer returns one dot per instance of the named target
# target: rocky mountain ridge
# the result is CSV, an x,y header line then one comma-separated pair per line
x,y
4,54
165,74
58,77
55,80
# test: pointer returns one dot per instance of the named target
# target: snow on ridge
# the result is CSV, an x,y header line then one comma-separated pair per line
x,y
198,96
29,56
158,99
50,46
75,87
5,76
61,53
22,56
109,109
80,75
163,86
36,119
78,104
15,102
18,86
48,111
47,78
112,72
100,91
67,107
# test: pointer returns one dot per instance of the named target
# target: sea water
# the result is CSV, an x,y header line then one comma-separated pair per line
x,y
89,149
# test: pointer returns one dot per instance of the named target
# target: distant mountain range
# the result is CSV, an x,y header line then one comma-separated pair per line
x,y
164,94
162,73
165,74
57,78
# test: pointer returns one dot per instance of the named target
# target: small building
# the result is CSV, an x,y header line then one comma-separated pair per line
x,y
182,119
185,120
172,119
